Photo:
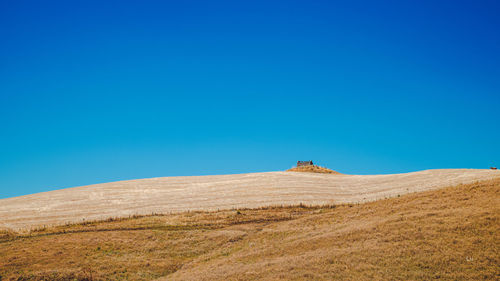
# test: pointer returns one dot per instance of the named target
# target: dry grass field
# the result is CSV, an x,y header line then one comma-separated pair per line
x,y
211,193
451,233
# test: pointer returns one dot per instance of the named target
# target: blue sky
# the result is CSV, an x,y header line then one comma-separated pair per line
x,y
94,92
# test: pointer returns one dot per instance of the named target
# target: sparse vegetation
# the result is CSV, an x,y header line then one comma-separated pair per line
x,y
449,234
313,169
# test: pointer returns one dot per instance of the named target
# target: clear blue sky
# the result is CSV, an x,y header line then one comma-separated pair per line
x,y
99,91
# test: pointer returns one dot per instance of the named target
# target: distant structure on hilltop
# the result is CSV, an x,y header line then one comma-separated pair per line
x,y
304,163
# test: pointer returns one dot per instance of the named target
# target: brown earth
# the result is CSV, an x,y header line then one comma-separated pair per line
x,y
448,234
178,194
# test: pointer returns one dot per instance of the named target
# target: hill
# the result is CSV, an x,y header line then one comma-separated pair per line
x,y
450,233
210,193
313,169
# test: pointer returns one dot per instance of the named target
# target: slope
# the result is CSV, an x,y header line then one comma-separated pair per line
x,y
177,194
450,233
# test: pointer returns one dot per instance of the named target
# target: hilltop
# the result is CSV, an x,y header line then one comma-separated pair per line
x,y
211,193
450,233
313,169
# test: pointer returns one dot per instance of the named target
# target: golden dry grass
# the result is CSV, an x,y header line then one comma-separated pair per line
x,y
313,169
449,234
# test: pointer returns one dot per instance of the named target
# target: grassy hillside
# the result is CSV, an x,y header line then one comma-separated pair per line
x,y
451,234
219,192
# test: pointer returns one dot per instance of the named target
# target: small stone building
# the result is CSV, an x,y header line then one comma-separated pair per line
x,y
304,163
